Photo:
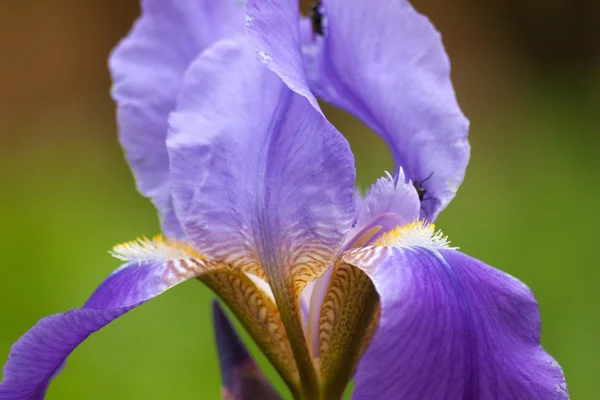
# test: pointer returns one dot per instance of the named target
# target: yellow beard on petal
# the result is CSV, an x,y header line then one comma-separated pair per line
x,y
159,248
248,296
417,233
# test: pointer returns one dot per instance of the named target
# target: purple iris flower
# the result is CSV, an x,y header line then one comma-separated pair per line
x,y
255,192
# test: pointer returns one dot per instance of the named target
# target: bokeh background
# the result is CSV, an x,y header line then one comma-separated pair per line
x,y
526,72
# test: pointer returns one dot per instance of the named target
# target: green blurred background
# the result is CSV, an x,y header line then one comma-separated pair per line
x,y
527,74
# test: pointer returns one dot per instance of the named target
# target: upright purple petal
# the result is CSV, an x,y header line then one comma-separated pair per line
x,y
147,68
385,63
390,195
37,357
452,327
242,378
260,178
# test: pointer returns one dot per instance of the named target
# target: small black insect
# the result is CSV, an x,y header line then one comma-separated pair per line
x,y
316,18
421,191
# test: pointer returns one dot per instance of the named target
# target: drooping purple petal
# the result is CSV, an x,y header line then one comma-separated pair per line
x,y
452,327
390,195
147,67
385,63
242,378
259,176
37,357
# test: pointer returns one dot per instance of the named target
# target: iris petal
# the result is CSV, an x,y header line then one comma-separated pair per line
x,y
260,179
451,327
37,357
385,63
154,266
147,68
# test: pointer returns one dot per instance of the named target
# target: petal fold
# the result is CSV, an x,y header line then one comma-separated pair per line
x,y
37,357
147,67
451,327
242,379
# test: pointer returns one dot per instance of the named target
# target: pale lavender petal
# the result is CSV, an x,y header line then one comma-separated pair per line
x,y
147,68
242,378
390,195
451,327
259,176
385,63
37,357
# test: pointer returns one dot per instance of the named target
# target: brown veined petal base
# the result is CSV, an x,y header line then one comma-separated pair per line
x,y
347,322
260,317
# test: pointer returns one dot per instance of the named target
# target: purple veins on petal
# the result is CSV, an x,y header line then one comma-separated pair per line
x,y
451,327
